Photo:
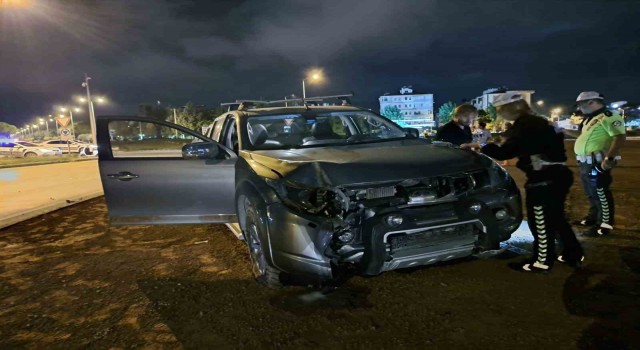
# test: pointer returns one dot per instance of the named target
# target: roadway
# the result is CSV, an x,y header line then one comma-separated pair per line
x,y
29,191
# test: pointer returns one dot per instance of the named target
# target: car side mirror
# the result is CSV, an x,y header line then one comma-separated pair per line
x,y
200,150
413,132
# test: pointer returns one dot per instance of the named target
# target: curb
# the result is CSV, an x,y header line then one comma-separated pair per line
x,y
35,212
43,163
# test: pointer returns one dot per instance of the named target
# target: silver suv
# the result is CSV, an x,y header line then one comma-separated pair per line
x,y
316,193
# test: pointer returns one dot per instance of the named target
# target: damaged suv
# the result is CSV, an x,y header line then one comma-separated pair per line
x,y
313,191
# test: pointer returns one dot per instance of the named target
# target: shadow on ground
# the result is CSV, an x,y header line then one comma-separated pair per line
x,y
613,300
230,313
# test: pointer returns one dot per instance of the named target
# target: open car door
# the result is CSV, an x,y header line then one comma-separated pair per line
x,y
155,172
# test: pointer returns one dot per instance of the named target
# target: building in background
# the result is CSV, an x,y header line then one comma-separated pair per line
x,y
488,96
416,110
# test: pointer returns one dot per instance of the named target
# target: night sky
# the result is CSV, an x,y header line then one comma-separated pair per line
x,y
142,51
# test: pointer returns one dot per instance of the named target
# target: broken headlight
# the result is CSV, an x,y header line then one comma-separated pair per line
x,y
498,175
299,197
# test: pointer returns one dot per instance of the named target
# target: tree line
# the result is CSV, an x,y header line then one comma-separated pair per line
x,y
190,115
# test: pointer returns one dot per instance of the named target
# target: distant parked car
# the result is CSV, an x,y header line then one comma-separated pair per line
x,y
67,146
22,149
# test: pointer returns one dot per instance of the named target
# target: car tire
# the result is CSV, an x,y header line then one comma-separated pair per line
x,y
262,270
30,154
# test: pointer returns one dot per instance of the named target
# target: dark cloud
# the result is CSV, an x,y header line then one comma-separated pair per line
x,y
211,51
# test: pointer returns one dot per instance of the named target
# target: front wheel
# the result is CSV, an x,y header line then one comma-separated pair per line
x,y
262,271
30,154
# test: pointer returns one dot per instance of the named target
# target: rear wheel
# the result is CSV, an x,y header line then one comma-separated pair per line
x,y
30,154
262,271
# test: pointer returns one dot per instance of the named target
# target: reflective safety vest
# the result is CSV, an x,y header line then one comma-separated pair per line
x,y
598,132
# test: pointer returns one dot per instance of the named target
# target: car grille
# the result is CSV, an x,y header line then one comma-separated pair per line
x,y
381,192
399,242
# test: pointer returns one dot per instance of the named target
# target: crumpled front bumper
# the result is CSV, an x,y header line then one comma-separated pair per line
x,y
302,245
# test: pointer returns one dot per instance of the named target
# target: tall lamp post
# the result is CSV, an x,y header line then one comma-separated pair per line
x,y
92,116
540,104
56,123
314,75
46,122
556,112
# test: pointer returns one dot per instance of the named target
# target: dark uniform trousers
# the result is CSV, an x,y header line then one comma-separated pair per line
x,y
597,187
546,192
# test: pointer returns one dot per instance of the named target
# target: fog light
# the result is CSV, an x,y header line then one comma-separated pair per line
x,y
475,208
394,220
501,214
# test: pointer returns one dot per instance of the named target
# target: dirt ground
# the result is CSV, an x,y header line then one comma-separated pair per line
x,y
69,280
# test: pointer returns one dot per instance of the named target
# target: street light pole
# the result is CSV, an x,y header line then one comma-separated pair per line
x,y
73,128
304,93
55,122
46,122
92,116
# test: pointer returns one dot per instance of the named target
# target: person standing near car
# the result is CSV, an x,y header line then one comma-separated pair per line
x,y
600,137
484,135
541,155
458,130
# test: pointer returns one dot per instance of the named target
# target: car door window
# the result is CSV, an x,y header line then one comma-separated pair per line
x,y
217,129
138,139
230,135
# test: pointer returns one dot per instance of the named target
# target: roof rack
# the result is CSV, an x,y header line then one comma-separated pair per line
x,y
344,98
314,101
242,104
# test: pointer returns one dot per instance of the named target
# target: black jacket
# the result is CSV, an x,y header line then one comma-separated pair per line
x,y
452,133
530,135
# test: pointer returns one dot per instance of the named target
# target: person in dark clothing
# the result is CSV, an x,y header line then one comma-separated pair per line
x,y
541,155
458,130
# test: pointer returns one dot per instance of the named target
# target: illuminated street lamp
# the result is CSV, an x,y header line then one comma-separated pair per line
x,y
55,122
540,103
313,76
45,121
556,112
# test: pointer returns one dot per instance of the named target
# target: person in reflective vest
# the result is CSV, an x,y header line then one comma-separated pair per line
x,y
600,137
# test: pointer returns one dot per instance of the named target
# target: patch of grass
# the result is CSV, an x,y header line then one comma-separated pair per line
x,y
8,162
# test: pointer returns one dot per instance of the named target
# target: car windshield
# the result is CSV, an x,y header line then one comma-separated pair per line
x,y
318,129
27,144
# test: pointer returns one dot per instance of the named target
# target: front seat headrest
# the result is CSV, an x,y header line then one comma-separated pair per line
x,y
258,134
321,129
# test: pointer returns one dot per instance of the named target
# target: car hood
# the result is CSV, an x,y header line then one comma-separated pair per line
x,y
368,163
